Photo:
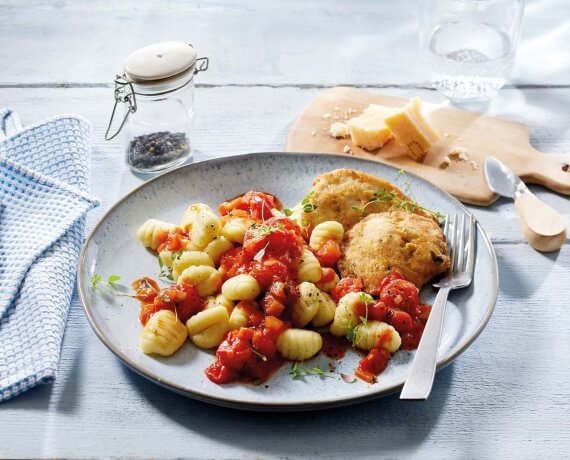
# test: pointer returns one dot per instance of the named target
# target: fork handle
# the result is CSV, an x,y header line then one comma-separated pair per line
x,y
420,379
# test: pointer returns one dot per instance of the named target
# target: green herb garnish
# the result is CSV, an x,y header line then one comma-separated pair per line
x,y
175,255
95,280
307,203
298,370
287,212
110,284
262,229
165,271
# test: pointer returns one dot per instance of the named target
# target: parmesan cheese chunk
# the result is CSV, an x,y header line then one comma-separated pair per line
x,y
411,130
369,130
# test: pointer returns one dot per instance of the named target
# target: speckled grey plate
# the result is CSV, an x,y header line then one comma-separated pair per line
x,y
113,249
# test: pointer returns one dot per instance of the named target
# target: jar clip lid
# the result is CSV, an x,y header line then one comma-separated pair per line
x,y
155,63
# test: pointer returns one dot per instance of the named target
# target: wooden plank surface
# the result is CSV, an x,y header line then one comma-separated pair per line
x,y
506,397
291,42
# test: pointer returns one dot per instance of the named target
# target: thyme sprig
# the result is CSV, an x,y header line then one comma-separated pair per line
x,y
352,333
386,196
298,370
110,284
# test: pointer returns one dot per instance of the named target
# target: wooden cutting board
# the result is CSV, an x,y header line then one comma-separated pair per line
x,y
476,134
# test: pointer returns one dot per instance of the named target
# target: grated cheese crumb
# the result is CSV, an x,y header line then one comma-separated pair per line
x,y
339,130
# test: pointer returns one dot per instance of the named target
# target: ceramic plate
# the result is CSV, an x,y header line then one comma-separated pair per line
x,y
112,249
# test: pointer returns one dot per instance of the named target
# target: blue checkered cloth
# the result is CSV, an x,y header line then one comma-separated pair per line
x,y
44,185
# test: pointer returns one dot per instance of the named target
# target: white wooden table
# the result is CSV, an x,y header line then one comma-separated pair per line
x,y
507,396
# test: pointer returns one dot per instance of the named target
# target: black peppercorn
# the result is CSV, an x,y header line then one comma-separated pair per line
x,y
155,149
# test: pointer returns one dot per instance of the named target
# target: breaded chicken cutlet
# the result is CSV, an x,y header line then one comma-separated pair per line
x,y
380,243
347,196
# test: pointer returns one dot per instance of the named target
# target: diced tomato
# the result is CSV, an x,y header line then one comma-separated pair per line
x,y
411,340
147,311
275,325
263,344
329,253
146,289
403,295
276,236
183,299
257,204
373,364
173,241
377,311
344,286
268,271
272,306
425,310
235,351
220,374
255,317
367,376
401,320
395,275
328,275
232,263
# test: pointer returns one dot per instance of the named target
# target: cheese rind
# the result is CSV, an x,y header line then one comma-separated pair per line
x,y
369,130
411,130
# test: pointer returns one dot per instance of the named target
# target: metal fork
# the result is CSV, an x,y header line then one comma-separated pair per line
x,y
461,250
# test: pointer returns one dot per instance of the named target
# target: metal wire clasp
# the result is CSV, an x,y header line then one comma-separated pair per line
x,y
124,93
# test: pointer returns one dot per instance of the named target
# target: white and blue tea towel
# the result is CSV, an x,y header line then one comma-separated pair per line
x,y
44,186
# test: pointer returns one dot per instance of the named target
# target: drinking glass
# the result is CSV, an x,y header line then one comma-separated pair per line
x,y
470,45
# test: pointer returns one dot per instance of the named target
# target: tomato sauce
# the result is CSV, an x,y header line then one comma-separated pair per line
x,y
271,252
248,354
334,347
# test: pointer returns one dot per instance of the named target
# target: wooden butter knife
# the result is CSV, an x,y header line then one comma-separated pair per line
x,y
543,227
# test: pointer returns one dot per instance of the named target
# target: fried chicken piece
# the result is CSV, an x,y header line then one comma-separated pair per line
x,y
381,243
347,196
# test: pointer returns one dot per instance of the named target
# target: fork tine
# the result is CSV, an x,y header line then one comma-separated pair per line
x,y
461,246
471,246
453,243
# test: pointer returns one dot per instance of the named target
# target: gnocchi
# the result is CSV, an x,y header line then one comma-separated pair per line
x,y
259,285
188,259
163,334
235,228
153,233
309,267
206,279
205,228
328,230
299,344
241,287
374,334
345,316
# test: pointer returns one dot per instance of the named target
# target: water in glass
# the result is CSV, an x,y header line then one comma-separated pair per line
x,y
469,60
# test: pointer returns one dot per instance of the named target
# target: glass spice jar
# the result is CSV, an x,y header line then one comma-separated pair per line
x,y
157,94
